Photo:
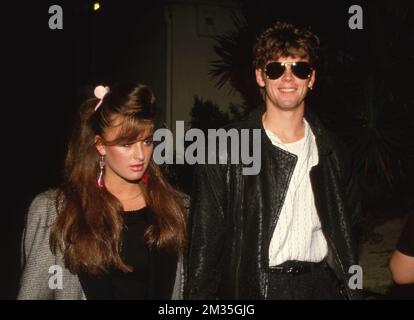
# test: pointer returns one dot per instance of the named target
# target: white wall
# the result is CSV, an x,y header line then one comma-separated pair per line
x,y
190,27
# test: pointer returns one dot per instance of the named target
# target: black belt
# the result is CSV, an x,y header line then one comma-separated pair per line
x,y
295,267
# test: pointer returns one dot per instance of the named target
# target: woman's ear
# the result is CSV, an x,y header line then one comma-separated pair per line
x,y
99,145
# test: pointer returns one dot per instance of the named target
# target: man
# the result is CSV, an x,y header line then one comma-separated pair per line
x,y
286,233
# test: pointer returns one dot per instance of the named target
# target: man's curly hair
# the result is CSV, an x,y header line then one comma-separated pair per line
x,y
284,39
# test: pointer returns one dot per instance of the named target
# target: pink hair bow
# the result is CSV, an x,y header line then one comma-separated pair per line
x,y
100,92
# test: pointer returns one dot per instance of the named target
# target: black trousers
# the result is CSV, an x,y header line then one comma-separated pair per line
x,y
318,283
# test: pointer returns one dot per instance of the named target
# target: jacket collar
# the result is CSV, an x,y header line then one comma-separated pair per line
x,y
322,136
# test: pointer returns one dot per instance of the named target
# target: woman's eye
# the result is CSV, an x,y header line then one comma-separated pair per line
x,y
126,145
148,142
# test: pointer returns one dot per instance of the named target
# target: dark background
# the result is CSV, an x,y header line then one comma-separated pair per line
x,y
47,73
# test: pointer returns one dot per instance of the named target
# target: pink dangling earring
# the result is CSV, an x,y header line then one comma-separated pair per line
x,y
145,177
101,182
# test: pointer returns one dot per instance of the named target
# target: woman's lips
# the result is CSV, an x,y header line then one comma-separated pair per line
x,y
137,167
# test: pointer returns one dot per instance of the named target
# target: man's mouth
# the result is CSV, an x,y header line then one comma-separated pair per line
x,y
287,90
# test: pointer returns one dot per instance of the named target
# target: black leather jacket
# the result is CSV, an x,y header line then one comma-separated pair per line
x,y
233,217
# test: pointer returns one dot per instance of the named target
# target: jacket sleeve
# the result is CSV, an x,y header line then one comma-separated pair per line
x,y
353,195
36,256
206,249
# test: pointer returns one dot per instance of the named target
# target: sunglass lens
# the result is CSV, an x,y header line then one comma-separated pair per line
x,y
301,69
274,70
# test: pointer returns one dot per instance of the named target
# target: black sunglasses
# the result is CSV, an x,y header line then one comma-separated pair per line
x,y
301,69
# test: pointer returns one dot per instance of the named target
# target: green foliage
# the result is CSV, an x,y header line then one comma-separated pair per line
x,y
207,115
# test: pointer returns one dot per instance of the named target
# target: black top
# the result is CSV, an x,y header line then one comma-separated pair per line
x,y
406,241
153,269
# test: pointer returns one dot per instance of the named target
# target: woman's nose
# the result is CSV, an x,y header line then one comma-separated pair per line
x,y
139,151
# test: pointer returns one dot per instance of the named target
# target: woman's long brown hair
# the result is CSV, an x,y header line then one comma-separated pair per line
x,y
88,228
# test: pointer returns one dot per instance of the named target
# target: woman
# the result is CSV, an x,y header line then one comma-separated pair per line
x,y
115,229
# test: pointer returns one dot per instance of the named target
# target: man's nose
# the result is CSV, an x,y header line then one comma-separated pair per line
x,y
287,75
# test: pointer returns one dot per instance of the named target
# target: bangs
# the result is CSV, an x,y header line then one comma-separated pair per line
x,y
292,52
130,129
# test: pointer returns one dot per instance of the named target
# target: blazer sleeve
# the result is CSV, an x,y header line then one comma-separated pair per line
x,y
179,280
206,246
36,256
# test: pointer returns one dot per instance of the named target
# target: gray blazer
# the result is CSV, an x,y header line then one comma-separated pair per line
x,y
38,279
